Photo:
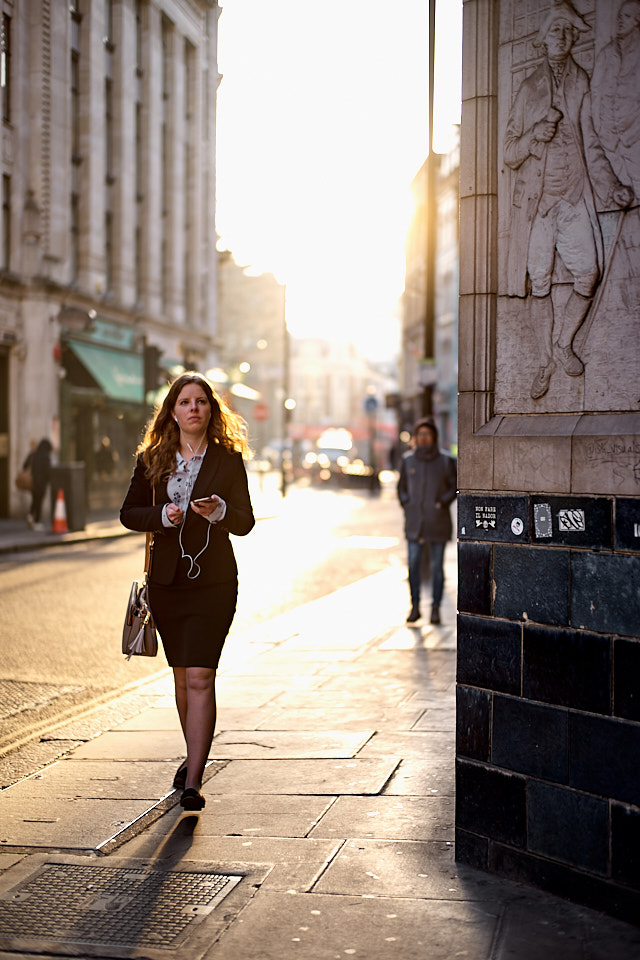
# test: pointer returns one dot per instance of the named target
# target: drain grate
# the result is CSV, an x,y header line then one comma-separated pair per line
x,y
118,906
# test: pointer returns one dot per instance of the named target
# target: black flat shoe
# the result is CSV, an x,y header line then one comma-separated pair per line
x,y
181,776
192,800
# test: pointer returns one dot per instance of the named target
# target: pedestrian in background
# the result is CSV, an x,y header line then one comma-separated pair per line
x,y
190,487
426,489
39,463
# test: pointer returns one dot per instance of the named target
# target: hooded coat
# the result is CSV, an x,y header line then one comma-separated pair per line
x,y
426,489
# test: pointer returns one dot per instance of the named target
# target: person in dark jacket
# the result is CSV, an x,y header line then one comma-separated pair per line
x,y
190,487
426,489
39,462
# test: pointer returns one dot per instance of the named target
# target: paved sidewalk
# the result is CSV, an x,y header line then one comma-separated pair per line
x,y
330,795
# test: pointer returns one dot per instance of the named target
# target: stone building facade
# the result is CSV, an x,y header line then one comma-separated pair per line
x,y
108,241
548,727
442,372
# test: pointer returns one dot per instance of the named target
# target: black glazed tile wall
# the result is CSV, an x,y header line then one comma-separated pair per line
x,y
473,716
530,738
474,578
605,592
603,756
625,843
489,653
571,668
531,583
627,523
503,816
493,518
626,671
574,521
567,825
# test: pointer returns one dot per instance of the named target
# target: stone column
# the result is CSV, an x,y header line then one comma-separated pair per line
x,y
91,170
124,148
549,443
174,179
211,79
150,281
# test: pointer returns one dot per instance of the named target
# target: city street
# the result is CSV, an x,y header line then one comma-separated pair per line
x,y
62,608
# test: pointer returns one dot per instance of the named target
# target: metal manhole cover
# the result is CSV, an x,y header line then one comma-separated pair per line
x,y
116,906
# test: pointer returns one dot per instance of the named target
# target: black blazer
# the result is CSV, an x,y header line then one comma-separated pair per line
x,y
222,473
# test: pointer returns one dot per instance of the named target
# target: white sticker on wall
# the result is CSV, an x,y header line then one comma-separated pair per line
x,y
571,521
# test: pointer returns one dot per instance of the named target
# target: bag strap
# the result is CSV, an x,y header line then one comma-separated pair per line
x,y
148,549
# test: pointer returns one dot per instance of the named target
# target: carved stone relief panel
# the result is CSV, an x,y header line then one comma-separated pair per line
x,y
568,320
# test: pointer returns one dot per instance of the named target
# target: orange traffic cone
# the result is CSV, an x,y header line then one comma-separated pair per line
x,y
59,524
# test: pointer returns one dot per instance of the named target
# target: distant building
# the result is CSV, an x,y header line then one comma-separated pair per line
x,y
251,311
414,371
108,234
334,385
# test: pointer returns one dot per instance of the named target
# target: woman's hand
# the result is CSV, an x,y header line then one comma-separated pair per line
x,y
206,507
174,513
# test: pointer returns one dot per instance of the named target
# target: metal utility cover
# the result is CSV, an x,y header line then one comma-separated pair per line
x,y
98,906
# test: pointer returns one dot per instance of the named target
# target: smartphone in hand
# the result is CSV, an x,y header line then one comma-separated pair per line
x,y
202,500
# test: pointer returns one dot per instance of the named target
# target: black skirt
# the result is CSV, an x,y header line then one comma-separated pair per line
x,y
193,621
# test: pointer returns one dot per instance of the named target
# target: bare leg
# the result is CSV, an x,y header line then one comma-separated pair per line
x,y
200,721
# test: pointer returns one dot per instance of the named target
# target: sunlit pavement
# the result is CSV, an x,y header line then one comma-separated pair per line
x,y
330,792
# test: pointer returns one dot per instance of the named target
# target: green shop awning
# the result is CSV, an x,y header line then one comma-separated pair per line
x,y
120,375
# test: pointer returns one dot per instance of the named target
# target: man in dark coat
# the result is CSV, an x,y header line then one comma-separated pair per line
x,y
426,489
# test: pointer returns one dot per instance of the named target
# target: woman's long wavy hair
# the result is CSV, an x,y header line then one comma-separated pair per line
x,y
162,436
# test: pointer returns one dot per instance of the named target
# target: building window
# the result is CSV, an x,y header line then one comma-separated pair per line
x,y
6,221
108,129
139,34
75,107
108,249
5,66
108,24
75,236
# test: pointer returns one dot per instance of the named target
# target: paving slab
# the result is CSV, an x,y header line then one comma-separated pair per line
x,y
433,746
294,864
415,778
72,779
130,745
540,926
256,816
416,638
252,691
361,695
414,869
73,824
279,926
406,818
325,777
437,718
228,718
342,718
288,744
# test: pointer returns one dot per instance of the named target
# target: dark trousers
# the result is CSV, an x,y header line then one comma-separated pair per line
x,y
436,551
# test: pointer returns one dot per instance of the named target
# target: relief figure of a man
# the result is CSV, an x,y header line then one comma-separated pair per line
x,y
615,96
562,176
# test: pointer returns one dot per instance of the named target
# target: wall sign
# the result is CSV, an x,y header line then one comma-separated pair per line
x,y
542,519
486,517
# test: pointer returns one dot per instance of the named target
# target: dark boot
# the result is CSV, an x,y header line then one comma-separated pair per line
x,y
435,615
413,615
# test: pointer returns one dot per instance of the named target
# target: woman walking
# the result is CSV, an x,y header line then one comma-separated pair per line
x,y
190,487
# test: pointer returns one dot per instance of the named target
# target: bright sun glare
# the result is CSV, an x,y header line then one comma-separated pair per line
x,y
322,124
